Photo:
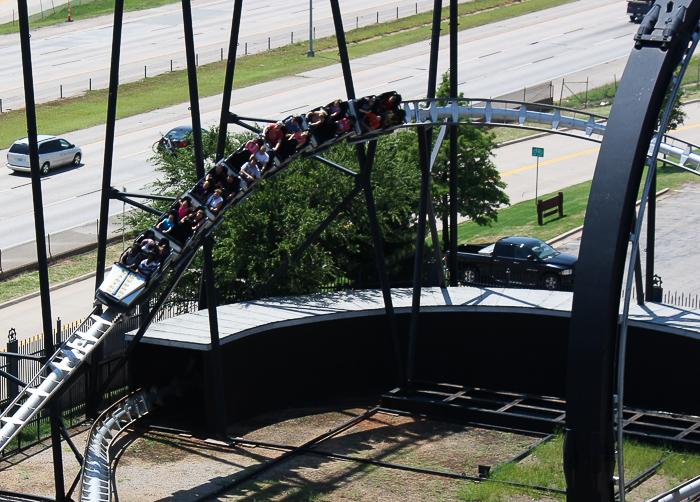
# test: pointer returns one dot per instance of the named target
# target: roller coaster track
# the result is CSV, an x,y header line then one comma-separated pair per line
x,y
55,373
538,117
96,476
123,283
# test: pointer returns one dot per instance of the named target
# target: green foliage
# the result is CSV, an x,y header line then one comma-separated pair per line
x,y
264,231
480,188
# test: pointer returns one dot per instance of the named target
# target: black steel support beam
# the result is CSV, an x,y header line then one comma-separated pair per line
x,y
343,49
109,142
142,207
107,191
424,154
366,160
12,378
228,79
332,164
589,440
454,141
25,496
239,121
116,194
40,232
20,356
218,397
434,49
651,240
193,88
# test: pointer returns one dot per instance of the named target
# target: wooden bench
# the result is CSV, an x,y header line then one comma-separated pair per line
x,y
549,207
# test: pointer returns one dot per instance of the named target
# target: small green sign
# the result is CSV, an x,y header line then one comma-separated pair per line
x,y
537,152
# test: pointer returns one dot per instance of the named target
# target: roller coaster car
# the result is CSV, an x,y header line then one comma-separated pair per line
x,y
377,115
121,288
340,125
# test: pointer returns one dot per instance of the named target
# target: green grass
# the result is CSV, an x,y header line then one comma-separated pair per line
x,y
168,89
60,271
543,467
521,218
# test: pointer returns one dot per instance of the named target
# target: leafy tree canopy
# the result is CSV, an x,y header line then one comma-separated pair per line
x,y
480,188
257,236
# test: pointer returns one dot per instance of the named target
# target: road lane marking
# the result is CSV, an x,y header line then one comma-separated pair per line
x,y
552,161
444,50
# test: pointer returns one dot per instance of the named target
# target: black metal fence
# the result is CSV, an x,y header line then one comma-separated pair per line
x,y
73,400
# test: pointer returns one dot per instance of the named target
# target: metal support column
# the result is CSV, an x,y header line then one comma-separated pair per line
x,y
434,49
589,443
366,163
228,79
418,257
342,49
651,240
432,90
454,142
218,396
40,232
92,399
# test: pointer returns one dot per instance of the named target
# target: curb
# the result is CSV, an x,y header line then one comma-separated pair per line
x,y
576,230
69,282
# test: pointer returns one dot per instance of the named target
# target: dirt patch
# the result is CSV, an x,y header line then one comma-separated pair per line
x,y
155,465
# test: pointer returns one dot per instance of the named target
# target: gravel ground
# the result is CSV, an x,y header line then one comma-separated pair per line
x,y
156,465
152,464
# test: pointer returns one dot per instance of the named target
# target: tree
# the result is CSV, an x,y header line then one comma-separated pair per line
x,y
263,232
479,188
260,234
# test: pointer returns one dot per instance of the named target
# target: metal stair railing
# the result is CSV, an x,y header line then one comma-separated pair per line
x,y
59,368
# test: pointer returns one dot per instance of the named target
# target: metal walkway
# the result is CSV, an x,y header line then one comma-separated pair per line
x,y
54,374
540,414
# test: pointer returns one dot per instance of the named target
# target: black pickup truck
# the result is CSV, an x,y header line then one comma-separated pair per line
x,y
636,9
516,262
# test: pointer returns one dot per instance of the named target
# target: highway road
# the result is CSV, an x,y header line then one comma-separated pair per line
x,y
70,58
577,41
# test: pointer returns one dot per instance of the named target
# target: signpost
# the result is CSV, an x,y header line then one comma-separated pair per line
x,y
537,152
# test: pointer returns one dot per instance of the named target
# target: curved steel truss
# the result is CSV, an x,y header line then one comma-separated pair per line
x,y
661,44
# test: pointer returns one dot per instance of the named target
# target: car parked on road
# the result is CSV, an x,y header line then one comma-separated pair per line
x,y
53,152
